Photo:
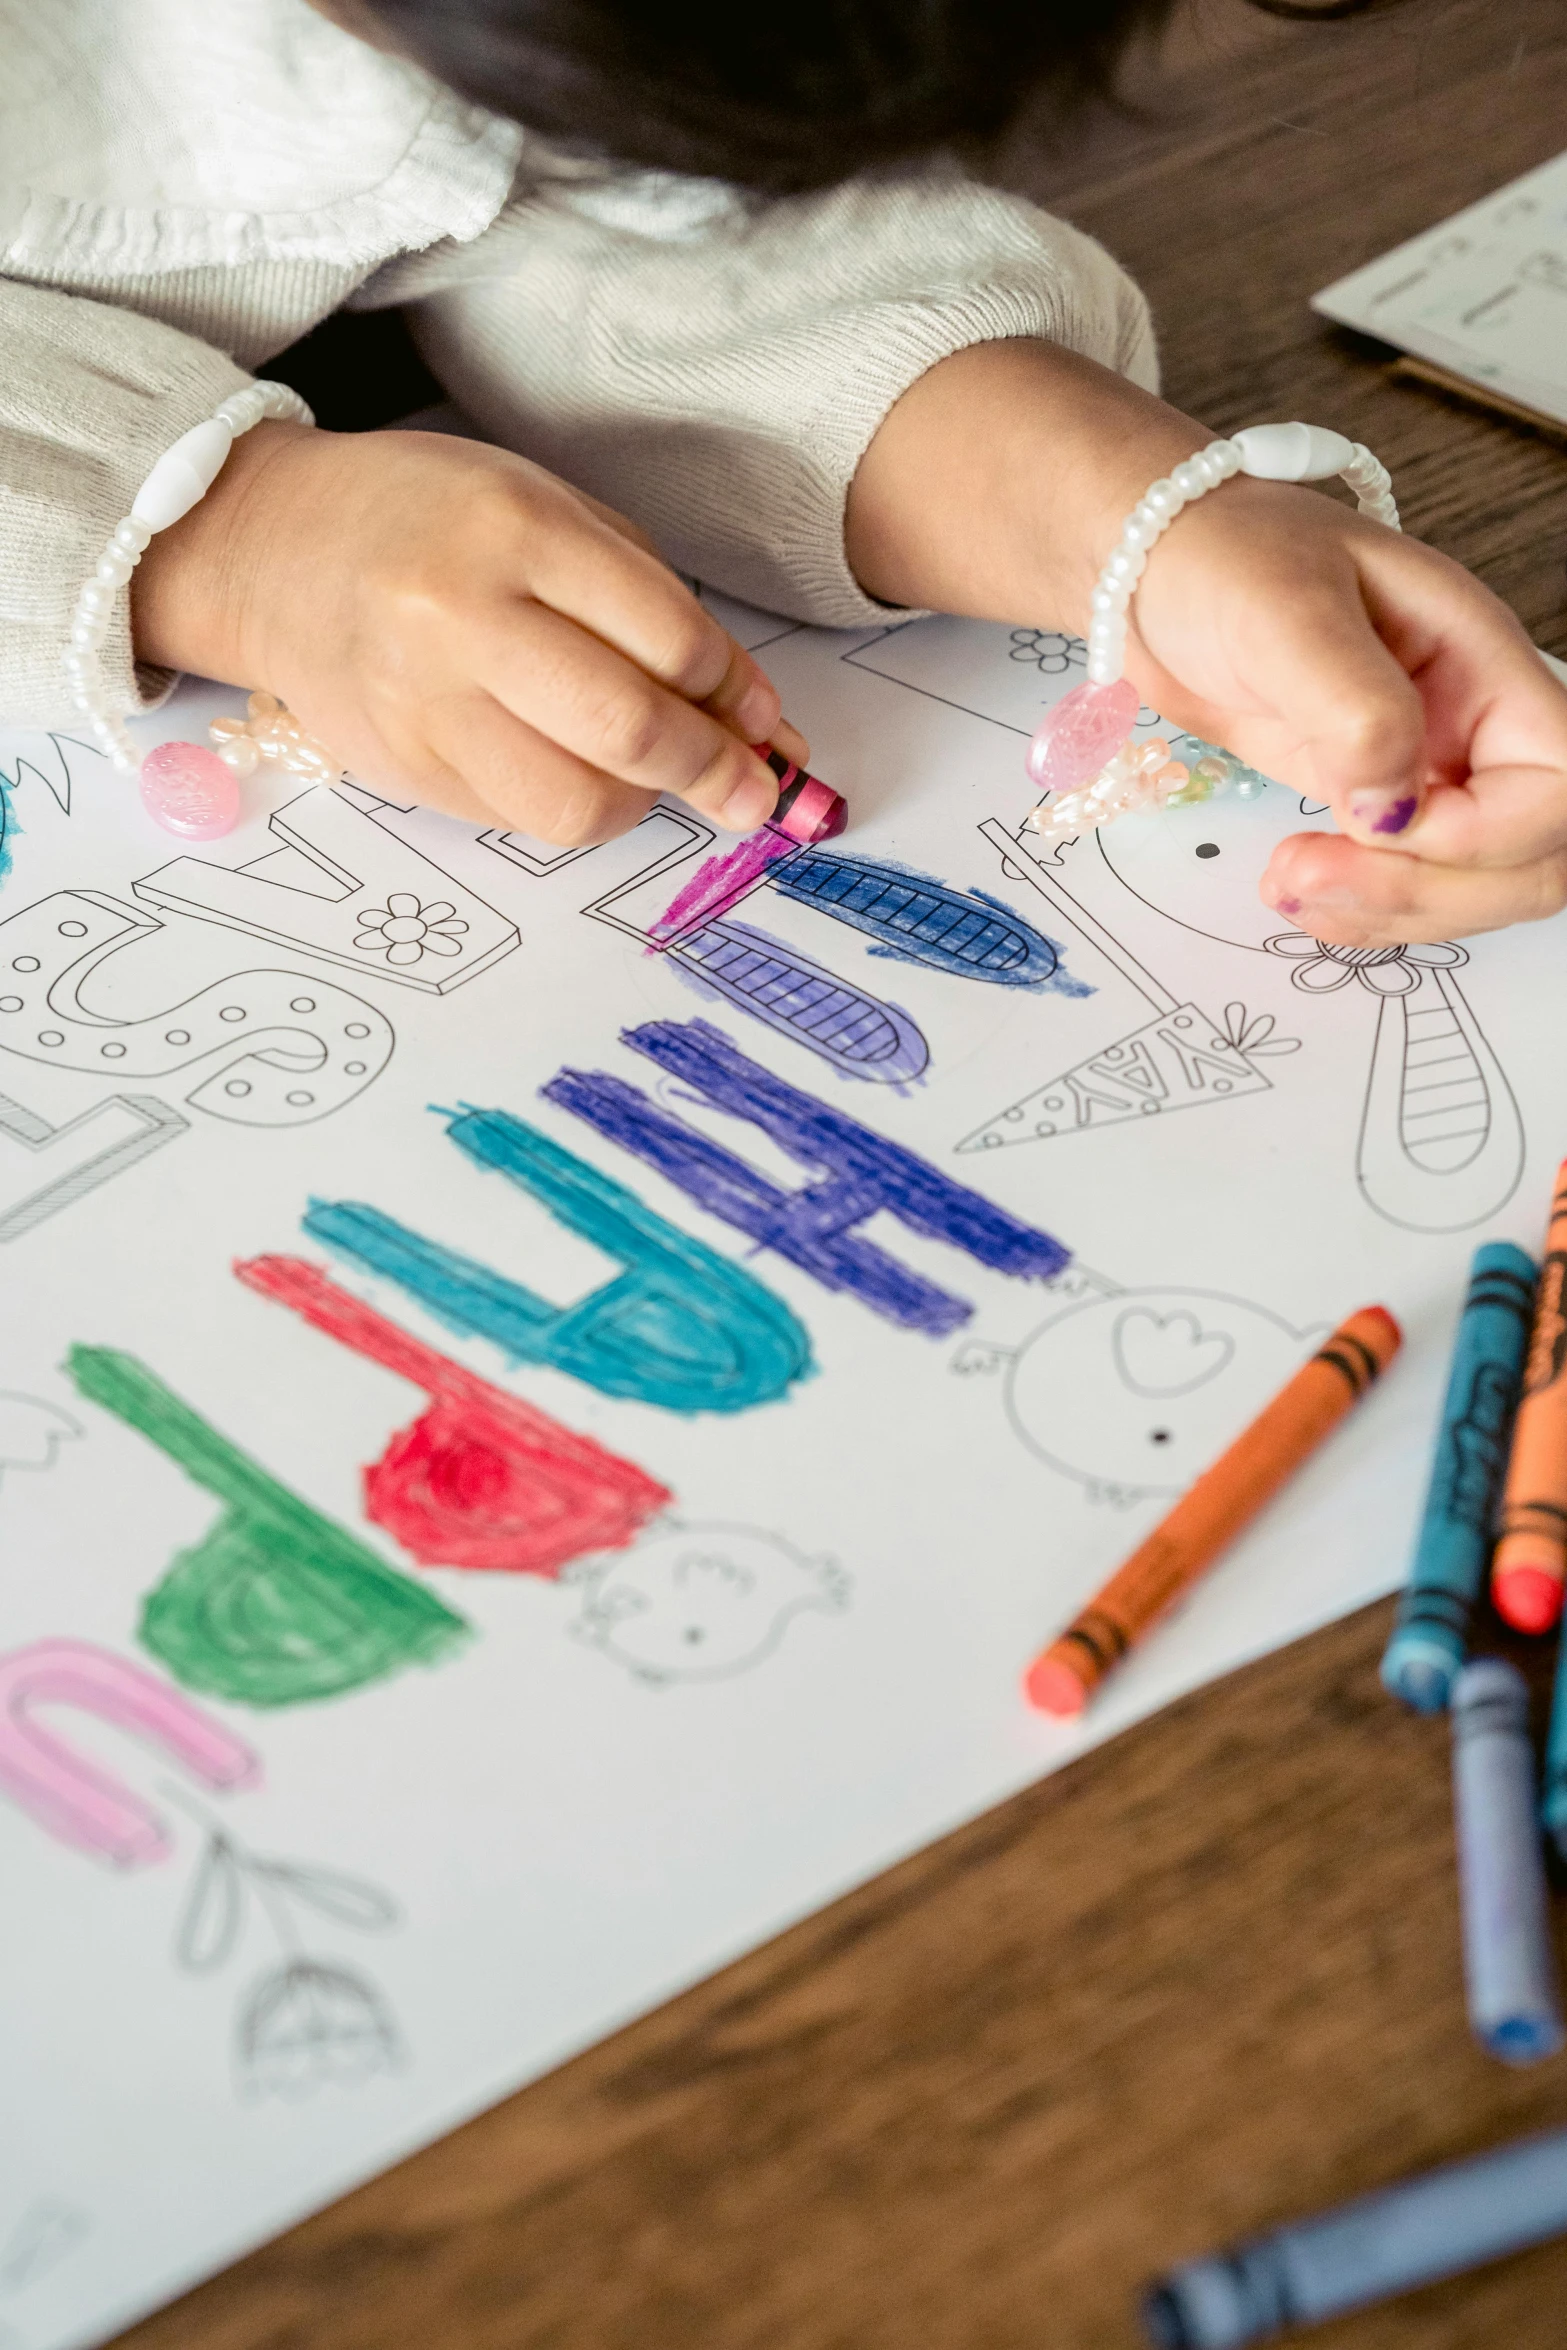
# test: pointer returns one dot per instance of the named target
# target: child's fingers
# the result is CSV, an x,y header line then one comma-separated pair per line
x,y
1352,896
605,709
621,524
1503,817
791,742
591,574
506,768
1360,721
745,699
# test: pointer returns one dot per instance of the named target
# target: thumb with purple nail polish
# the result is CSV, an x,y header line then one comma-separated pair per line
x,y
1384,812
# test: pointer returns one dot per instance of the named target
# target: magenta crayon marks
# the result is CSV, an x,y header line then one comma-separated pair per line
x,y
721,883
856,1174
77,1801
481,1479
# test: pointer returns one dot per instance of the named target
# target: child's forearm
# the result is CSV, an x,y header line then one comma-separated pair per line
x,y
998,484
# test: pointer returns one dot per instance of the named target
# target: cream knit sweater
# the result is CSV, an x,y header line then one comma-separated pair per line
x,y
186,186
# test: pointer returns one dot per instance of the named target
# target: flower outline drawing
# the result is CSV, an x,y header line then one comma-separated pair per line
x,y
406,929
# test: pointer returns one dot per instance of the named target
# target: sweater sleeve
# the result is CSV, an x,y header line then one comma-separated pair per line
x,y
721,388
90,397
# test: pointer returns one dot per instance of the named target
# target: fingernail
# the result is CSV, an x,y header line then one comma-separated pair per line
x,y
1380,814
749,805
756,713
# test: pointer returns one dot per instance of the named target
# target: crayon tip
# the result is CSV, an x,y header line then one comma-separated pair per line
x,y
1527,1598
1381,1314
1525,2040
1054,1688
1420,1677
808,810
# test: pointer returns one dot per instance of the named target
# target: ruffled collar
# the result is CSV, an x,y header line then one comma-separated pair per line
x,y
139,137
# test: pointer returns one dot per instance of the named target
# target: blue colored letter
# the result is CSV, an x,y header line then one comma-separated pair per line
x,y
815,1227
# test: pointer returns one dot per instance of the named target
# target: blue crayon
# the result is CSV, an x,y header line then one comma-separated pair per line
x,y
1435,2225
1553,1809
1430,1639
1509,1957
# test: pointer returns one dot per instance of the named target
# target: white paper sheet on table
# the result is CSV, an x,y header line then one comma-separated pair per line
x,y
446,1879
1483,294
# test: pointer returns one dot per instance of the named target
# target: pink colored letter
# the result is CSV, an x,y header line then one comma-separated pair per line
x,y
75,1800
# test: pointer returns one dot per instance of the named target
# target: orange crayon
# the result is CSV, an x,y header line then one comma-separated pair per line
x,y
1529,1565
1225,1498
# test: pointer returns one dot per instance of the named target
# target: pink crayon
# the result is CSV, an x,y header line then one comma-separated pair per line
x,y
808,811
76,1801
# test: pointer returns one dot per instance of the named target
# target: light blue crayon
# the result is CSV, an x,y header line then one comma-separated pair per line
x,y
1435,2225
1431,1637
1553,1809
1509,1957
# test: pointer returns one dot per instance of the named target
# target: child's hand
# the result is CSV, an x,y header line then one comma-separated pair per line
x,y
1355,665
1365,670
464,629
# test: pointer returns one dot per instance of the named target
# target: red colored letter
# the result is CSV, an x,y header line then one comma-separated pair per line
x,y
481,1479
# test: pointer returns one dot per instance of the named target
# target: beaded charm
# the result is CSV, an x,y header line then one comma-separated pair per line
x,y
269,733
1083,752
1075,739
190,791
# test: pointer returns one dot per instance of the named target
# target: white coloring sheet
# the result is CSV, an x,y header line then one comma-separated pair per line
x,y
547,1403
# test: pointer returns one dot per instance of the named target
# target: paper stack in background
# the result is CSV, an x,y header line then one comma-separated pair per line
x,y
1481,299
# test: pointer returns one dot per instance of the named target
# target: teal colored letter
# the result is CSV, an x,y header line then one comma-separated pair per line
x,y
681,1327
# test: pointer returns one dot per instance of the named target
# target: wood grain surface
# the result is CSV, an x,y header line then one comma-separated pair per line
x,y
1209,1977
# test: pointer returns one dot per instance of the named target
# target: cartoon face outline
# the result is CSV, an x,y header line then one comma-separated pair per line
x,y
700,1602
1182,862
1135,1393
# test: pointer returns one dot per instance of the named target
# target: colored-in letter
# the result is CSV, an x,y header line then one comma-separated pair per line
x,y
276,1605
77,1801
481,1479
814,1228
681,1327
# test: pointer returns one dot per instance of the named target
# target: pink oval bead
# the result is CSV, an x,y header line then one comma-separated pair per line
x,y
1073,741
190,791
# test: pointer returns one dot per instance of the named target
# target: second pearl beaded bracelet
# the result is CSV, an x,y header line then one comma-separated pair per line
x,y
1083,751
187,788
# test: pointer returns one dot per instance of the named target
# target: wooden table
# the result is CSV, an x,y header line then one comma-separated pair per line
x,y
1208,1977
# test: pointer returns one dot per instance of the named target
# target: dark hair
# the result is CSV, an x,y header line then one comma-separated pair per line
x,y
775,95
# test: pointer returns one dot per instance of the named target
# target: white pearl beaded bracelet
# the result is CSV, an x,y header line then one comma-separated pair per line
x,y
1083,751
187,788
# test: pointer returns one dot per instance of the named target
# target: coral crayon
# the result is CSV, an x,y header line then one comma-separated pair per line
x,y
1224,1499
1530,1562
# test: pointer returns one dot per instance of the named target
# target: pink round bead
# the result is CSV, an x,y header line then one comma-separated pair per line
x,y
1074,740
190,791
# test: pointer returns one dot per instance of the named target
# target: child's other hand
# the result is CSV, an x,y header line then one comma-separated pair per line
x,y
462,628
1365,670
1357,666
